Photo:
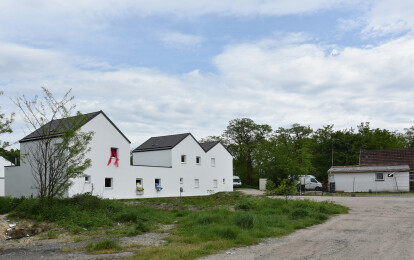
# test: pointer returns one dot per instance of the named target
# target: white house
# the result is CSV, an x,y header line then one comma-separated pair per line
x,y
3,163
357,178
182,166
207,168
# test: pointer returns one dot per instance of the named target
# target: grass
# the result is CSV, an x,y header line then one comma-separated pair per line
x,y
203,225
106,246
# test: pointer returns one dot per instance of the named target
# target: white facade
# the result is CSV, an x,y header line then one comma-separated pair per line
x,y
3,163
368,178
164,165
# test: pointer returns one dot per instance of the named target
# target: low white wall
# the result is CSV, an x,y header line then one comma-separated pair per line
x,y
19,182
2,192
364,182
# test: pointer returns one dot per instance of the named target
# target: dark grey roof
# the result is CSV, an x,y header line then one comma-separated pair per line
x,y
161,143
208,145
55,128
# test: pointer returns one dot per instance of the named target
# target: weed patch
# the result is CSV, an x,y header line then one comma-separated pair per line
x,y
104,247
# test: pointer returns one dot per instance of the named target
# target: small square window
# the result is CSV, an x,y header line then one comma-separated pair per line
x,y
181,180
196,183
379,176
215,183
108,182
138,182
213,162
158,181
158,186
198,160
183,158
87,179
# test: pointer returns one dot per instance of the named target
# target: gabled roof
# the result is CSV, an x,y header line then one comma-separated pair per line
x,y
165,142
208,145
58,126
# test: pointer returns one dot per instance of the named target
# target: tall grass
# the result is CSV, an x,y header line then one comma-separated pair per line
x,y
204,225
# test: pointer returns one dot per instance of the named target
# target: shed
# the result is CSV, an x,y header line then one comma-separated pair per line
x,y
376,178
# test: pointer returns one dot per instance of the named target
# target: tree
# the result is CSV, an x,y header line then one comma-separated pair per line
x,y
286,154
58,154
5,126
244,136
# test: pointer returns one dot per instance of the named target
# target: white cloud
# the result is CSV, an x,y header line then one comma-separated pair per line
x,y
275,82
180,40
389,17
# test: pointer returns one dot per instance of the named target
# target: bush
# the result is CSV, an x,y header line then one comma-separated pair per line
x,y
227,232
299,213
270,187
245,221
7,204
246,204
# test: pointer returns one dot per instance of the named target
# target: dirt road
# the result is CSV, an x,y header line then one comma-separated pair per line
x,y
375,228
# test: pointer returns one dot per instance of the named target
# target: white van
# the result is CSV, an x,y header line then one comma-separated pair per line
x,y
236,181
311,183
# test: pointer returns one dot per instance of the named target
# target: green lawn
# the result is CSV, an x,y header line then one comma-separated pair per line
x,y
203,225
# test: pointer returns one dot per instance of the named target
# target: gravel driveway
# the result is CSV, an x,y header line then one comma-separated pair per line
x,y
375,228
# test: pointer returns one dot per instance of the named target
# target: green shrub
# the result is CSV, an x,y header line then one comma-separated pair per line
x,y
270,187
299,213
127,215
227,232
245,221
246,204
142,227
7,204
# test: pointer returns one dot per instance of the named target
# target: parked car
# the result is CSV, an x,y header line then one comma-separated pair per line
x,y
311,183
236,181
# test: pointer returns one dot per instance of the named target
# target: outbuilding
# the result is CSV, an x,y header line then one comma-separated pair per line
x,y
357,178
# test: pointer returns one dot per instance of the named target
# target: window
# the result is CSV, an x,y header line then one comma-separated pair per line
x,y
224,181
379,176
213,162
196,183
181,180
139,185
158,184
108,182
313,180
411,177
87,179
114,155
215,183
198,160
183,158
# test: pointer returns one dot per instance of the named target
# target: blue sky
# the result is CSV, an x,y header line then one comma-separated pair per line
x,y
158,67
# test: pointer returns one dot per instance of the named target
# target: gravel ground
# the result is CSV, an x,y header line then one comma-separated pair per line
x,y
31,248
375,228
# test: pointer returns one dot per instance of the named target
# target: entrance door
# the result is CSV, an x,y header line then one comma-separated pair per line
x,y
411,181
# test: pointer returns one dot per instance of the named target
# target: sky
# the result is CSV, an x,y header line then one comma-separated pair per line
x,y
167,67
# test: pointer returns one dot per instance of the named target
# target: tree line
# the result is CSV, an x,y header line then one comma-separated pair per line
x,y
262,152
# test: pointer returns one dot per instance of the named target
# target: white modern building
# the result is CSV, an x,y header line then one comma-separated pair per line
x,y
165,166
360,178
3,163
